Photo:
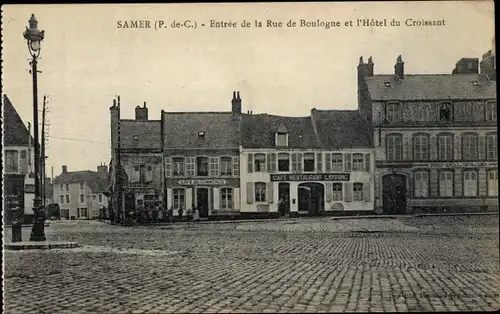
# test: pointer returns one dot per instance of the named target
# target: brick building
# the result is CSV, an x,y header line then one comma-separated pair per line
x,y
201,156
435,136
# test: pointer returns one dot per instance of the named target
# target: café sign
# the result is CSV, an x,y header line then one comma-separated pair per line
x,y
311,177
203,182
463,164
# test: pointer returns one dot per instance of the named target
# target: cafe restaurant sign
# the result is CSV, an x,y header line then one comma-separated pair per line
x,y
311,177
203,182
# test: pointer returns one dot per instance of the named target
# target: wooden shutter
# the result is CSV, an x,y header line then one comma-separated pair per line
x,y
216,197
134,173
367,162
329,192
433,148
250,163
213,166
348,192
236,198
168,167
23,167
270,161
328,162
169,198
269,192
368,191
348,162
236,166
319,162
458,147
407,148
294,162
482,147
250,192
275,162
299,162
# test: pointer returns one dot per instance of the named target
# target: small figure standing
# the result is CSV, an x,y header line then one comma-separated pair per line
x,y
170,214
196,214
180,212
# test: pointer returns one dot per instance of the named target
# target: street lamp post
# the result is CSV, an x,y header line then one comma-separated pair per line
x,y
34,37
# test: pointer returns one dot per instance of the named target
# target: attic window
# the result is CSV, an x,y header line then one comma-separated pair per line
x,y
136,138
201,134
387,84
475,83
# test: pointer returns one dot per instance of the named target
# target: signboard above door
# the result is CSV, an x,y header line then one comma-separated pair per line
x,y
311,177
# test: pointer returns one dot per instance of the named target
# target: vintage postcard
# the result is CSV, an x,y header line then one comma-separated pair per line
x,y
250,157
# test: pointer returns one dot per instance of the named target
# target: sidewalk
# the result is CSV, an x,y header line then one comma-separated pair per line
x,y
412,215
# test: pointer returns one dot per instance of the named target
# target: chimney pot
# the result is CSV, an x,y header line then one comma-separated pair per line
x,y
64,169
144,104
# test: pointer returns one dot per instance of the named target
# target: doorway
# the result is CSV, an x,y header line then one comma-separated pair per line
x,y
311,198
284,196
394,193
202,201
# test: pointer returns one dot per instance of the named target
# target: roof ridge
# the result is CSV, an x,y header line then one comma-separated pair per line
x,y
196,112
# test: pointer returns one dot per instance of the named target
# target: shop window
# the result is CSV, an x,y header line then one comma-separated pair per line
x,y
469,146
491,146
446,183
357,191
421,184
202,166
493,183
337,192
445,147
226,166
309,162
178,166
260,192
179,197
226,198
421,147
394,147
357,162
260,163
470,183
283,162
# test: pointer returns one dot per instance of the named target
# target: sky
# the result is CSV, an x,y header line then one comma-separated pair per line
x,y
86,60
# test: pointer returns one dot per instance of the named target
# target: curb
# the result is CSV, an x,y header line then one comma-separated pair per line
x,y
415,215
18,246
27,225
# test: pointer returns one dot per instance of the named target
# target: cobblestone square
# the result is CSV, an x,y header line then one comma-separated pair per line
x,y
309,265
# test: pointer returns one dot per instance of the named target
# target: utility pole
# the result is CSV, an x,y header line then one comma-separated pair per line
x,y
42,155
119,167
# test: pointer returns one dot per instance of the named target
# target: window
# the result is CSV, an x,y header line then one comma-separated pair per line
x,y
357,162
178,166
94,197
82,198
491,146
393,113
142,173
201,134
67,187
337,162
82,213
309,162
283,162
236,166
67,199
421,147
82,186
445,112
61,187
446,183
470,183
178,197
190,166
421,184
260,163
202,166
491,111
337,191
281,139
445,147
260,192
493,183
226,198
11,161
469,146
100,198
226,166
394,147
357,191
62,199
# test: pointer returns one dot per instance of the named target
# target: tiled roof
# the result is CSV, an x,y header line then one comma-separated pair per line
x,y
342,128
96,183
181,130
258,131
15,132
147,134
431,86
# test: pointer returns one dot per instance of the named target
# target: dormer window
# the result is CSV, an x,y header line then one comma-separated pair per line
x,y
281,136
445,112
136,138
387,84
201,134
392,112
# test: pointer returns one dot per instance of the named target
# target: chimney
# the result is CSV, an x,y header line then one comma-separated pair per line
x,y
115,117
369,67
102,170
399,68
64,169
488,65
466,65
362,71
236,104
141,113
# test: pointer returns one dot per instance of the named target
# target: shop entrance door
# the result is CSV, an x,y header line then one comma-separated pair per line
x,y
202,201
394,193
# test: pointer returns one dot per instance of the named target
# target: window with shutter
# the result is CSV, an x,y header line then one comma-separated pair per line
x,y
328,162
260,192
250,192
168,167
357,191
357,162
319,165
284,162
250,163
259,163
337,191
226,166
337,162
367,162
348,162
236,166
